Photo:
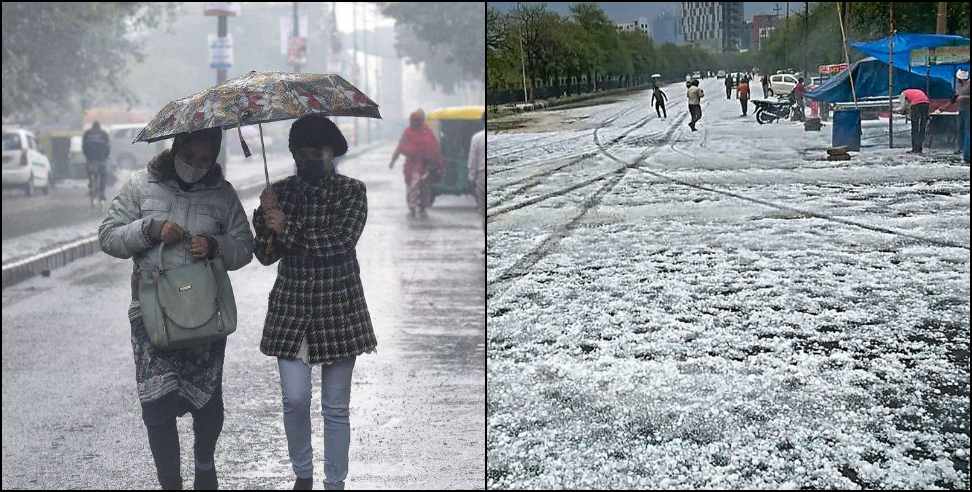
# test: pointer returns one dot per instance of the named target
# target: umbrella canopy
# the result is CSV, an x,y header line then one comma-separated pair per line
x,y
259,97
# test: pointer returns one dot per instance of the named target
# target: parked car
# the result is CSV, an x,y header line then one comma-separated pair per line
x,y
782,84
721,74
24,165
697,75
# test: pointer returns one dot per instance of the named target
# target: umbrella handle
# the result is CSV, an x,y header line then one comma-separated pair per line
x,y
246,148
266,172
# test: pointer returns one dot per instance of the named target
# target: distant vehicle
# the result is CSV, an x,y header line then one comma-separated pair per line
x,y
24,166
688,77
782,84
721,74
124,153
697,75
816,82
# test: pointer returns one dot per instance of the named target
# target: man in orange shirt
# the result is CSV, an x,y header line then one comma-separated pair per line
x,y
742,93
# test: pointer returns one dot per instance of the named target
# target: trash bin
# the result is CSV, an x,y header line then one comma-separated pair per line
x,y
847,129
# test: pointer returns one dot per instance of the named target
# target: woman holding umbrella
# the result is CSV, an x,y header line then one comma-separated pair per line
x,y
181,190
423,161
311,223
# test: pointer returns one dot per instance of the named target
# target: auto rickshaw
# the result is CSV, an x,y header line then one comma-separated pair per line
x,y
454,127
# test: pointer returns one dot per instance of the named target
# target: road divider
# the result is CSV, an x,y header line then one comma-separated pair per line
x,y
47,260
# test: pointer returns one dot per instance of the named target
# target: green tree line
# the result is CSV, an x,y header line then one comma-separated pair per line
x,y
587,44
584,45
818,38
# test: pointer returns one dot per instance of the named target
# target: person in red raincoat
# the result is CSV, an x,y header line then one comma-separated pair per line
x,y
423,162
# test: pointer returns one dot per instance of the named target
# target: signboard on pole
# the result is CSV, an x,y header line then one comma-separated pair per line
x,y
222,8
297,51
220,51
287,31
831,69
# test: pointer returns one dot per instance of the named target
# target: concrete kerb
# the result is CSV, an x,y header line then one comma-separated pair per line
x,y
561,101
45,261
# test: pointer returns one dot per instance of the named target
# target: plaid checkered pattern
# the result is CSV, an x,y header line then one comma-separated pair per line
x,y
318,292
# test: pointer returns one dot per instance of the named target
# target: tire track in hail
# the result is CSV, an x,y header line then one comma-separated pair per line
x,y
535,179
523,265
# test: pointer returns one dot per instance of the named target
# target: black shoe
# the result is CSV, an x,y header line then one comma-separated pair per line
x,y
170,483
205,480
304,484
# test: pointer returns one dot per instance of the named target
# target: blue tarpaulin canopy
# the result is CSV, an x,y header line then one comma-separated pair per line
x,y
871,80
904,43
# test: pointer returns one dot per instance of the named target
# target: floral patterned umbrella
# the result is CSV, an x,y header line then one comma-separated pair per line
x,y
259,97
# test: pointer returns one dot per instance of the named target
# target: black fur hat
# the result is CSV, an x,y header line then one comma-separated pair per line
x,y
315,130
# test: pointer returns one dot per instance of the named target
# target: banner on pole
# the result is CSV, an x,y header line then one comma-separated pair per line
x,y
287,31
220,51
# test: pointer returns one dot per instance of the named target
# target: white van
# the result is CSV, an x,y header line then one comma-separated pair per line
x,y
782,84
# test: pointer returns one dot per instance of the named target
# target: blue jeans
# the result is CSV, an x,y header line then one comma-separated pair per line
x,y
295,382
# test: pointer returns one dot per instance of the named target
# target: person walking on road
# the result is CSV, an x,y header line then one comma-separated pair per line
x,y
915,101
695,95
742,93
96,147
729,84
477,169
181,190
658,98
423,163
317,314
798,91
962,98
765,82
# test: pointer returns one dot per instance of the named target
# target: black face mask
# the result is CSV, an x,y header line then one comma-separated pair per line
x,y
314,170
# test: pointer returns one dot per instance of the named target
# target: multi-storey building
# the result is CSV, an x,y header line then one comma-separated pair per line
x,y
716,26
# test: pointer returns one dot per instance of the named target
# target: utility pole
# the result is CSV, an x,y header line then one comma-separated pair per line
x,y
786,24
296,33
221,29
806,27
940,18
522,62
890,75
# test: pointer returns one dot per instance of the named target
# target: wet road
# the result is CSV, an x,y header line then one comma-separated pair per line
x,y
68,202
70,411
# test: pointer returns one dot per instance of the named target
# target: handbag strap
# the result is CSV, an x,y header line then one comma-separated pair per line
x,y
160,272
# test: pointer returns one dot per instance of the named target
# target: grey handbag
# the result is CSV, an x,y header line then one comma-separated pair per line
x,y
187,306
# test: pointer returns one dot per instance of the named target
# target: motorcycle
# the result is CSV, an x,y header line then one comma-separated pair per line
x,y
770,111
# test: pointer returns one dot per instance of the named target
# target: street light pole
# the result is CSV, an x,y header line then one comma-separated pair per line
x,y
296,33
221,29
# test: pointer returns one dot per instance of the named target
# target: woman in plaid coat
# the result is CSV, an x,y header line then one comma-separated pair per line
x,y
317,315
